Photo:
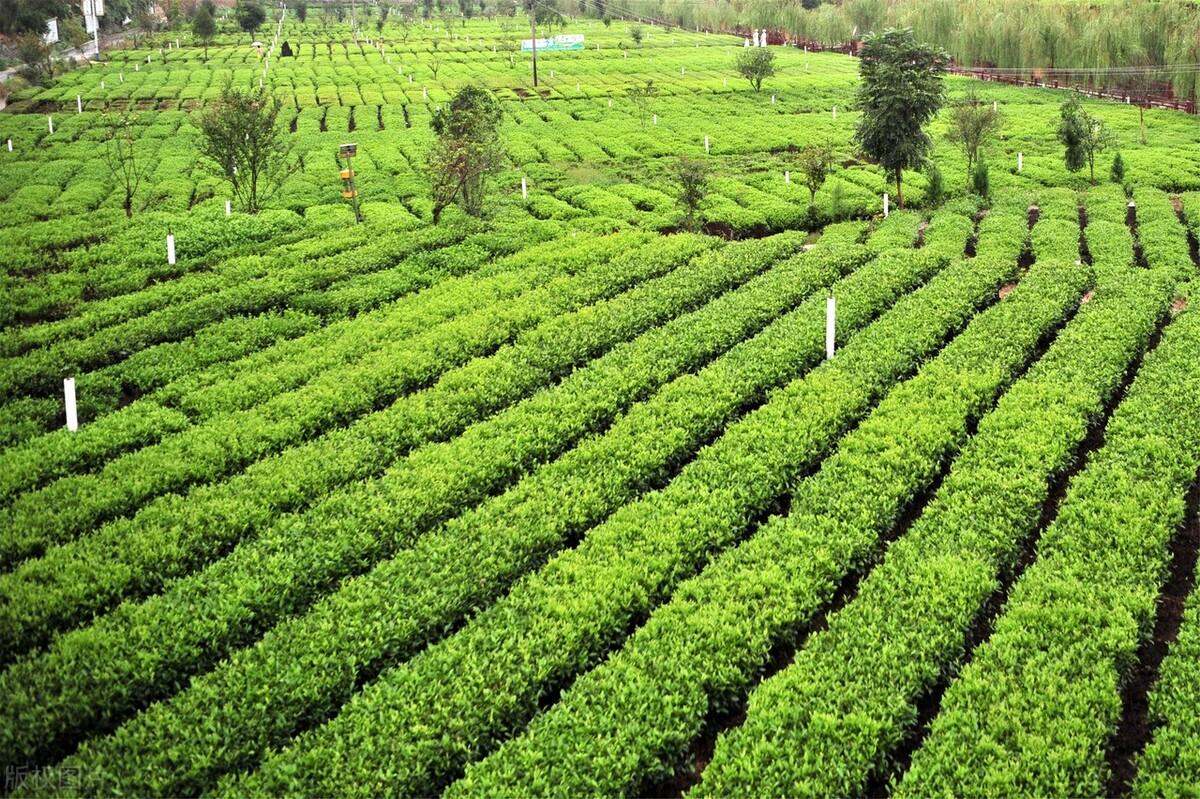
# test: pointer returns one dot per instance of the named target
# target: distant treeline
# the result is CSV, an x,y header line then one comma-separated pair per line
x,y
1141,45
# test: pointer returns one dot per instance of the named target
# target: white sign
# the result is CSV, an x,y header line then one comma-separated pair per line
x,y
51,34
566,41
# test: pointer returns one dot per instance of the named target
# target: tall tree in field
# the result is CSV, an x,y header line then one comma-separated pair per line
x,y
300,8
816,160
1083,137
901,91
466,151
204,26
755,64
973,122
249,15
245,144
692,175
122,156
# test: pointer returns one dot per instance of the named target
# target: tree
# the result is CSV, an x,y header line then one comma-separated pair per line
x,y
755,64
71,31
249,15
936,190
1083,136
643,99
816,160
1117,171
122,156
980,183
466,151
29,16
901,91
37,56
973,122
301,9
692,175
242,139
636,33
204,27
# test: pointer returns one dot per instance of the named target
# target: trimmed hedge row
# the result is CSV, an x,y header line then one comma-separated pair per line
x,y
61,452
1033,712
229,442
528,642
232,386
573,492
1170,764
828,722
629,721
1163,239
304,556
171,537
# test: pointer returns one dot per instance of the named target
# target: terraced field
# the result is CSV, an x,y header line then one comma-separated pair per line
x,y
566,501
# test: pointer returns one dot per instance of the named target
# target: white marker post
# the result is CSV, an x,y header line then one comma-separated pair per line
x,y
1020,161
787,176
772,99
78,104
610,102
171,249
424,93
706,144
10,145
885,205
830,327
655,119
69,397
835,112
994,108
682,71
524,189
228,208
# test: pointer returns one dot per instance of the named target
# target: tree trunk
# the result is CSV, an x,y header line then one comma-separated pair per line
x,y
899,191
533,41
128,205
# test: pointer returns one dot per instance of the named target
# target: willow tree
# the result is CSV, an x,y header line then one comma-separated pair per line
x,y
900,92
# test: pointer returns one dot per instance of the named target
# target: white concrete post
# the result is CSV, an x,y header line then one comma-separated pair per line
x,y
1020,161
10,145
50,122
78,104
424,93
706,144
835,113
524,189
656,119
171,248
228,208
787,176
885,204
830,327
69,397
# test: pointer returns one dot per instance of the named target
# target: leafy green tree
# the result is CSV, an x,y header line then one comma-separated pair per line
x,y
901,91
815,162
249,15
204,27
243,142
643,99
37,57
1083,137
936,191
300,8
973,123
466,150
1117,172
755,64
29,16
122,155
71,30
980,183
692,175
636,33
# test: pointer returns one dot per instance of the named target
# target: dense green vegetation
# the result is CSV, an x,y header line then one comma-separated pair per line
x,y
540,478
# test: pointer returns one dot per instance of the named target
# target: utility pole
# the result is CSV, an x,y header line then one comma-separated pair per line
x,y
531,9
92,11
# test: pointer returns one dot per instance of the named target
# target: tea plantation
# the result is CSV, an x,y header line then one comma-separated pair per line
x,y
568,496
